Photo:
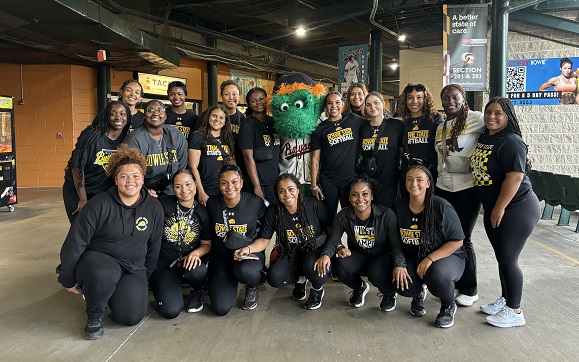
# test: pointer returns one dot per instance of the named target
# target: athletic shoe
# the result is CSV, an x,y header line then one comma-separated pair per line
x,y
315,299
250,300
357,295
94,328
445,319
195,301
494,307
299,292
388,303
507,317
417,306
466,300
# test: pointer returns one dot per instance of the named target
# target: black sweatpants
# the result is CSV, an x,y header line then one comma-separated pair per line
x,y
167,287
440,278
377,267
224,275
333,193
281,272
103,281
70,198
508,241
467,208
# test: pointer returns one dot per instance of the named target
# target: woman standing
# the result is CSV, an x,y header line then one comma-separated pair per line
x,y
431,238
299,223
85,174
236,216
511,209
386,155
260,145
131,93
355,99
373,245
112,247
185,120
212,143
334,147
164,147
183,256
455,141
420,119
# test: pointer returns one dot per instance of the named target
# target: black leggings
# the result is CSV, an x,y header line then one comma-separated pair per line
x,y
224,275
508,241
440,278
467,208
70,198
282,273
104,281
333,193
167,287
377,267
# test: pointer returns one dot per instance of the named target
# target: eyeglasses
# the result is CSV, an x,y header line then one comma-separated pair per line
x,y
153,110
417,87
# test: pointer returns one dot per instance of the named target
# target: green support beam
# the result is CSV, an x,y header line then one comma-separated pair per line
x,y
548,21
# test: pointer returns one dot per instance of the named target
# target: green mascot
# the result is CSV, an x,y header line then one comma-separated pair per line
x,y
296,106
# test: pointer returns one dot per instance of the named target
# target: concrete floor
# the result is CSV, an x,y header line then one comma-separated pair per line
x,y
39,320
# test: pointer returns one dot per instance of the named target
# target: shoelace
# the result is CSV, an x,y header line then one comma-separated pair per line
x,y
496,302
504,312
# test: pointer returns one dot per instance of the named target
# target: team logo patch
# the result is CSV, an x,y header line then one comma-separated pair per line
x,y
102,157
142,223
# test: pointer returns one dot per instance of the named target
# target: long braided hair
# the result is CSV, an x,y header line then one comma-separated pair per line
x,y
429,216
92,133
283,246
512,123
461,115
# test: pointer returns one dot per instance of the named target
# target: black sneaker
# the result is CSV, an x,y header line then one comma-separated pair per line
x,y
417,306
299,292
94,328
315,299
195,301
445,319
357,295
250,300
388,303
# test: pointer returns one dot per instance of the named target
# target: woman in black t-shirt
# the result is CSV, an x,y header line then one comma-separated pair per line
x,y
185,120
131,93
355,99
511,209
183,255
239,212
207,148
431,237
389,133
85,173
260,145
420,119
299,223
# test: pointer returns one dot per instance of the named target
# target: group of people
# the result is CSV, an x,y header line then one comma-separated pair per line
x,y
157,207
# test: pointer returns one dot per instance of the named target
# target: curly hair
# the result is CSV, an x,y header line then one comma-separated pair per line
x,y
461,115
225,134
429,108
348,107
373,185
283,246
125,155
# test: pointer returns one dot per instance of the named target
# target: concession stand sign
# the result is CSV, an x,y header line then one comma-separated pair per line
x,y
157,84
465,46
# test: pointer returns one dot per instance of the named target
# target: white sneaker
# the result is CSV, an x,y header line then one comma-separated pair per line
x,y
466,300
493,307
507,317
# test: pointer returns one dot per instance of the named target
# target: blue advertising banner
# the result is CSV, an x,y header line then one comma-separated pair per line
x,y
352,66
543,81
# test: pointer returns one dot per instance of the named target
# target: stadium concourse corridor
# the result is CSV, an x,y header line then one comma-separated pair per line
x,y
39,320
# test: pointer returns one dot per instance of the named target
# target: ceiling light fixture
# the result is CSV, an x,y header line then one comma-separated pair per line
x,y
301,31
394,66
402,37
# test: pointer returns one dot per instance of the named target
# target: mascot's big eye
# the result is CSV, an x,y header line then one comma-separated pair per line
x,y
284,107
299,104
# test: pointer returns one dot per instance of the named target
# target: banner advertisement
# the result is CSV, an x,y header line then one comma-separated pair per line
x,y
352,66
157,84
544,81
465,46
246,81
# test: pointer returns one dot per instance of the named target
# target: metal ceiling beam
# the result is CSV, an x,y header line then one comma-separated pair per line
x,y
558,5
548,21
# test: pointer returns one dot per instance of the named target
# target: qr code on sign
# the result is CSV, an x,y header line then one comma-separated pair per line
x,y
516,79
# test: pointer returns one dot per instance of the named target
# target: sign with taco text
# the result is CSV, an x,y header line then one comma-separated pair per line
x,y
352,66
465,46
157,84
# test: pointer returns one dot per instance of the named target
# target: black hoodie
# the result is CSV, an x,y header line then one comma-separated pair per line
x,y
130,234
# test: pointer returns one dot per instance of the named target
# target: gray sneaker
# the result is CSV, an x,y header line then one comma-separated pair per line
x,y
250,300
315,299
94,328
445,319
417,306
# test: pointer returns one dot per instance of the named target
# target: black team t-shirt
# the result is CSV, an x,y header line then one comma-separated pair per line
x,y
410,226
210,160
235,120
137,120
186,122
419,135
338,142
255,134
388,158
493,157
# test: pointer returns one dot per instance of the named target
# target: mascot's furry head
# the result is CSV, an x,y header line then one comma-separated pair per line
x,y
296,105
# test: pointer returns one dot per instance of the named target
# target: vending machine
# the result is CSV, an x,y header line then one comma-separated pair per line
x,y
7,153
